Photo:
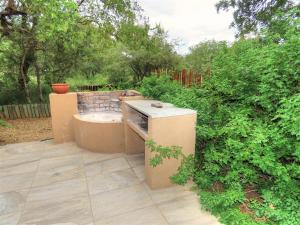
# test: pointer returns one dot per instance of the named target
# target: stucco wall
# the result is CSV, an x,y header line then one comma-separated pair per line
x,y
63,107
169,131
102,137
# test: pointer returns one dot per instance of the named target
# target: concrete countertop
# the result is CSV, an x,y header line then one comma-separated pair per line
x,y
144,106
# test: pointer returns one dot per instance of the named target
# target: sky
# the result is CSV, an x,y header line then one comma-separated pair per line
x,y
189,21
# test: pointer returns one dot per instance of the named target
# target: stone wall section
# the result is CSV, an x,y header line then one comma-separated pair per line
x,y
90,102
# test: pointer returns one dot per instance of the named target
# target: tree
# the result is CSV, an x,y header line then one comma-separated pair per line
x,y
148,49
55,48
280,25
116,65
252,15
26,25
201,56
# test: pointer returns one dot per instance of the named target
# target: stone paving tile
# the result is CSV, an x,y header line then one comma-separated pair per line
x,y
111,181
106,166
46,184
21,149
146,216
11,206
16,182
26,147
39,145
58,169
19,154
74,211
139,172
171,193
93,157
12,167
59,190
136,160
186,210
120,201
12,201
65,149
10,219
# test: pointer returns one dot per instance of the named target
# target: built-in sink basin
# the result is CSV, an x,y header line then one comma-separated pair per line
x,y
102,117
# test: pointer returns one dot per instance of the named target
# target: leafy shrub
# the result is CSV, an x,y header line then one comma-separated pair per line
x,y
201,55
248,131
157,87
12,94
76,81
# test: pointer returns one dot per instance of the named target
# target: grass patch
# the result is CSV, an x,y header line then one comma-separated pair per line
x,y
3,123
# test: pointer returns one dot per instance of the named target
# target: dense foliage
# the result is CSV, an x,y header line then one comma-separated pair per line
x,y
201,56
90,41
253,15
247,164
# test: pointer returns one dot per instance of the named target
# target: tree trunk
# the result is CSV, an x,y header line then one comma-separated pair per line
x,y
23,71
23,78
38,79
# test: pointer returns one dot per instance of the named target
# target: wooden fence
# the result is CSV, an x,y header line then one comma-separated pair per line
x,y
185,77
11,112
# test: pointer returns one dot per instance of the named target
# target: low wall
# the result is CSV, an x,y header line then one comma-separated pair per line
x,y
103,137
65,106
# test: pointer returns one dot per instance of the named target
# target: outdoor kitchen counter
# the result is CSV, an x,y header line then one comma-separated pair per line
x,y
168,110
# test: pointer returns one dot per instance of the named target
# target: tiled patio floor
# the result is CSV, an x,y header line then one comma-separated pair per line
x,y
42,183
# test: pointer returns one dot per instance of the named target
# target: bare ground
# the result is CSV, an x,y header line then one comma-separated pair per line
x,y
24,130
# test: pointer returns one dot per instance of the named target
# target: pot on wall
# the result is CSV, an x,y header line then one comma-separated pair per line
x,y
60,88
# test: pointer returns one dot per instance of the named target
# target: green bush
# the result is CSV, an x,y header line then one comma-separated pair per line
x,y
78,80
157,87
248,130
12,94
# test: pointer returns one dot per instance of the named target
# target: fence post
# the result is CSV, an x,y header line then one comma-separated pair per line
x,y
190,78
184,73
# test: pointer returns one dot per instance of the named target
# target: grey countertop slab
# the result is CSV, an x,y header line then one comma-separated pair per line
x,y
144,106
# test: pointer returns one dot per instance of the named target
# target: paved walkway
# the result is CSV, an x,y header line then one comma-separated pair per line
x,y
46,184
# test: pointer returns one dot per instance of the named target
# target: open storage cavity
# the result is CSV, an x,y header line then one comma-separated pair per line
x,y
138,119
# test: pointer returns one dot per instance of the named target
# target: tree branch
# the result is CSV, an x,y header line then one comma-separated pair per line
x,y
11,12
80,3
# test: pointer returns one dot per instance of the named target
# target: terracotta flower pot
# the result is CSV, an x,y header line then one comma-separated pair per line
x,y
60,88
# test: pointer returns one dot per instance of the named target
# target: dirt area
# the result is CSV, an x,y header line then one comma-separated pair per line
x,y
24,130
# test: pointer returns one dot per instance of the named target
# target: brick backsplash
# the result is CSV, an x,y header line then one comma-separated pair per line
x,y
89,102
